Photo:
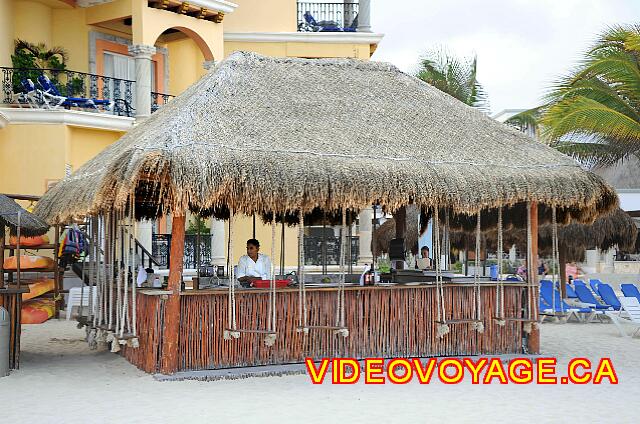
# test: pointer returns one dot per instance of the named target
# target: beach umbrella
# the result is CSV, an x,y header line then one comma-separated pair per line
x,y
30,224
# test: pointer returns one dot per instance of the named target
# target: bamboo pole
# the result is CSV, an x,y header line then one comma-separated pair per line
x,y
534,336
170,359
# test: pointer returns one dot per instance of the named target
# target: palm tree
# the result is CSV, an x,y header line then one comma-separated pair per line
x,y
593,113
39,55
455,76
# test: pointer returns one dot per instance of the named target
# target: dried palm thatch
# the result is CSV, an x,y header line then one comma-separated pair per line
x,y
387,232
614,229
260,134
30,225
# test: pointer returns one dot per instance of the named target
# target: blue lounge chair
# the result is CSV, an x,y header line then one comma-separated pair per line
x,y
630,290
577,283
586,296
50,88
571,293
594,282
29,94
310,24
552,298
608,295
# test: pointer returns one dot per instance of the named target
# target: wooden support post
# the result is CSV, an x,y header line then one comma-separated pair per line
x,y
534,336
18,279
2,232
401,228
562,259
56,272
170,359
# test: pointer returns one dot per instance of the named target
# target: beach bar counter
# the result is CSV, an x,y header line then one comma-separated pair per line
x,y
385,321
291,139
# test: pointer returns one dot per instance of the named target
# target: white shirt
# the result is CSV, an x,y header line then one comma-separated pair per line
x,y
248,268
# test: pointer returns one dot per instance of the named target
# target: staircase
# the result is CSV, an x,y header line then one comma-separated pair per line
x,y
142,255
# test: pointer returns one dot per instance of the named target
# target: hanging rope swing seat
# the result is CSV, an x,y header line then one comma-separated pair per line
x,y
500,318
232,331
303,326
442,322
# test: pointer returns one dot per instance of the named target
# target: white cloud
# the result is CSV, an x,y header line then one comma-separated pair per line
x,y
522,45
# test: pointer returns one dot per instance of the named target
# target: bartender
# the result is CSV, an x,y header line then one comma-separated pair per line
x,y
254,265
424,261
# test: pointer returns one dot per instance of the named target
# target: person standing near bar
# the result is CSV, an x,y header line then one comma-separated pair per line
x,y
424,261
254,265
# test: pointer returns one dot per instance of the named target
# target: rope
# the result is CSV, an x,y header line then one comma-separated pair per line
x,y
500,312
84,267
340,309
442,328
92,265
447,244
231,297
126,262
118,249
100,274
270,339
556,256
302,294
134,277
111,275
478,325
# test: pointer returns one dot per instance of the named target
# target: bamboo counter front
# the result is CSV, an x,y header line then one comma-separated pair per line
x,y
383,321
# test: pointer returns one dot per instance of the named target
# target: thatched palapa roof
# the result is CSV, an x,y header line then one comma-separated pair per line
x,y
616,228
613,229
30,225
260,134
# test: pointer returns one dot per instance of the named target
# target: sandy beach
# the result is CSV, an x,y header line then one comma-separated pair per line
x,y
62,381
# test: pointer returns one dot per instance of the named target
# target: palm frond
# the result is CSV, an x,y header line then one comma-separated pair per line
x,y
580,116
454,76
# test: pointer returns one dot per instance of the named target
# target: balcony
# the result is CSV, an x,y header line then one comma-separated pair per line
x,y
328,17
55,89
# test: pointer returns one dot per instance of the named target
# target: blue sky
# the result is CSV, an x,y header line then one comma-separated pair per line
x,y
522,45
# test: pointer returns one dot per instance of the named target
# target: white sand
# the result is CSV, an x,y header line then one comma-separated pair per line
x,y
62,381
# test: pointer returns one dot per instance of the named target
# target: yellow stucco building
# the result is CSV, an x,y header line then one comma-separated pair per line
x,y
134,55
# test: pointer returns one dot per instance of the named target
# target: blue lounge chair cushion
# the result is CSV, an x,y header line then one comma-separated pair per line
x,y
608,295
571,293
585,295
579,283
50,87
548,294
630,290
594,284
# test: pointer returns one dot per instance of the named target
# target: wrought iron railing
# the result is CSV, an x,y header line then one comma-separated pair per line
x,y
161,249
319,250
22,86
159,99
327,17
